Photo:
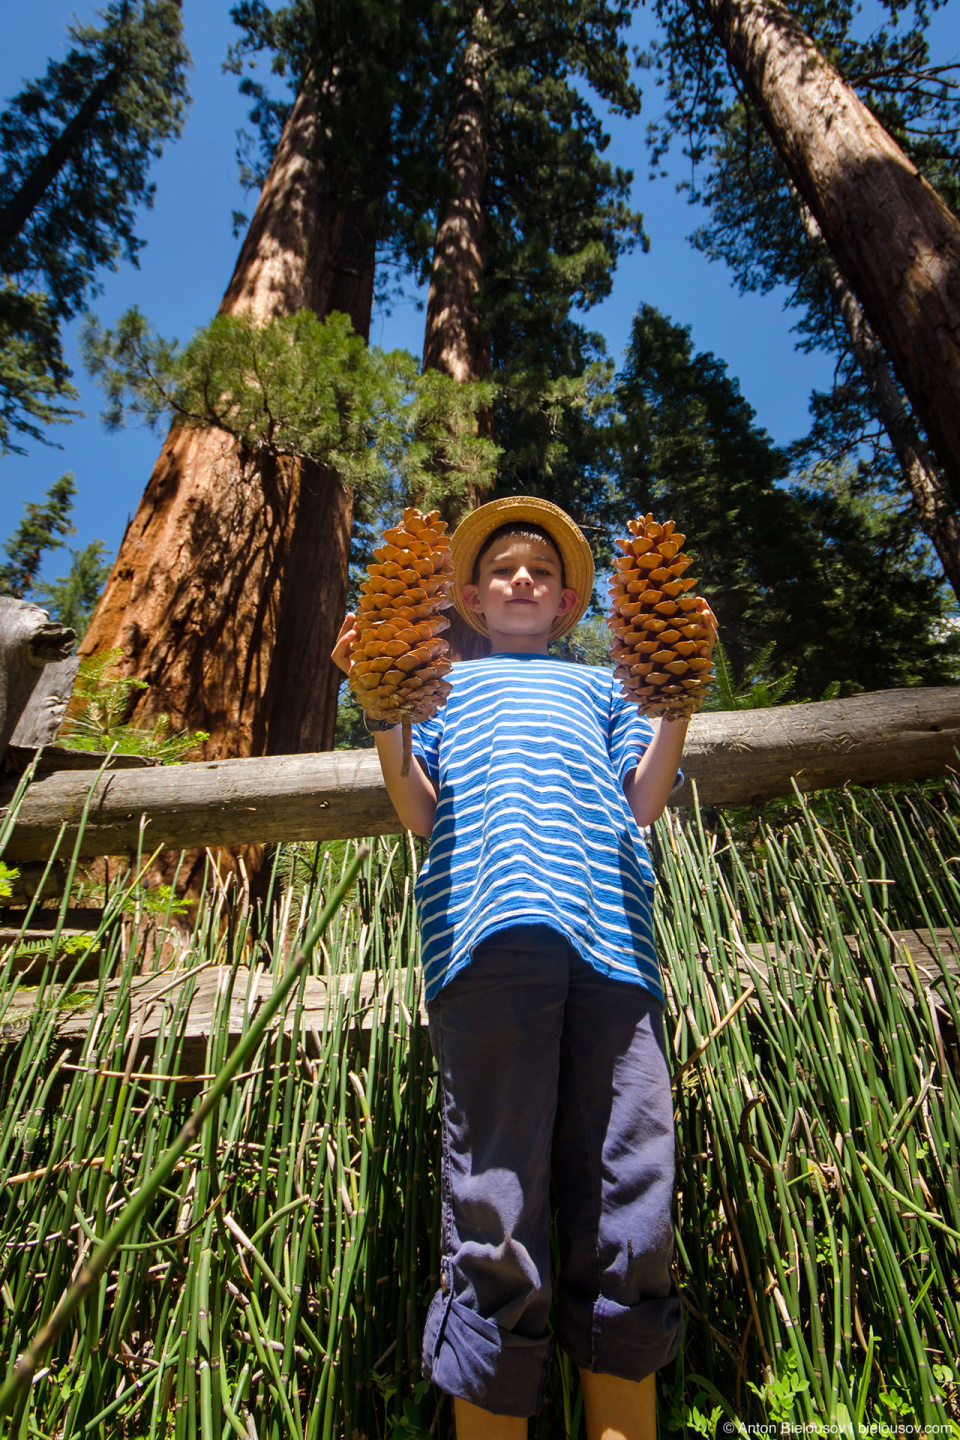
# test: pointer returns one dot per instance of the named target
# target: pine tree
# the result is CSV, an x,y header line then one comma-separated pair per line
x,y
531,223
532,219
75,150
768,236
229,587
72,598
895,240
42,529
454,341
931,502
814,566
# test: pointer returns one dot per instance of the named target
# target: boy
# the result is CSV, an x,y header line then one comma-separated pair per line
x,y
543,994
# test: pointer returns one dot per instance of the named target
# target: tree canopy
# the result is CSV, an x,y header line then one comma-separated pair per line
x,y
755,221
811,549
837,581
300,387
76,146
557,214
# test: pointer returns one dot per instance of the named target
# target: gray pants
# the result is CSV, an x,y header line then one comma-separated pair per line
x,y
550,1070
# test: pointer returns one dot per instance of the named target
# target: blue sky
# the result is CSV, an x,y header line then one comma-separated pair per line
x,y
190,254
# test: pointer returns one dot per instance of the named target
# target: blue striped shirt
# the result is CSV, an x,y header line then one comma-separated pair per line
x,y
532,825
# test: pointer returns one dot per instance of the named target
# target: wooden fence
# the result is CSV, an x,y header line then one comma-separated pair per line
x,y
733,757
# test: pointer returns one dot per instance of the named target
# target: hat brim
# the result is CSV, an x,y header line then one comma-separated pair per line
x,y
476,528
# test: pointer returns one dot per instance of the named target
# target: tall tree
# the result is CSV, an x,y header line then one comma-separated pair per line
x,y
895,240
937,515
453,338
230,583
42,528
768,236
75,152
455,342
532,219
73,597
229,587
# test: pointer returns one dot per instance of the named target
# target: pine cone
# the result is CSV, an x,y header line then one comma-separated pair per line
x,y
399,660
657,627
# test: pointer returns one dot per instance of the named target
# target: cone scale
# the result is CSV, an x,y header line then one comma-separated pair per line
x,y
658,631
399,659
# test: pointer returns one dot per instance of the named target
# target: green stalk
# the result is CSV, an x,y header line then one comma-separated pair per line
x,y
23,1371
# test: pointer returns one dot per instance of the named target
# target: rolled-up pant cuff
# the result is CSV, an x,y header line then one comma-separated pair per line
x,y
629,1341
475,1359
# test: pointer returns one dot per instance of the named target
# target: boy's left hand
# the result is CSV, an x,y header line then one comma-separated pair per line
x,y
710,620
346,640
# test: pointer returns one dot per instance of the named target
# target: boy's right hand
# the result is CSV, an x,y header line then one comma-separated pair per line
x,y
340,655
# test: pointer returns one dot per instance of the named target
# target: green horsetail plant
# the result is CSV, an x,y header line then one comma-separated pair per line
x,y
280,1159
277,1282
26,1365
819,1123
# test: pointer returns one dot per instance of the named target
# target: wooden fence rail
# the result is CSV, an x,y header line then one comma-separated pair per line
x,y
917,958
738,757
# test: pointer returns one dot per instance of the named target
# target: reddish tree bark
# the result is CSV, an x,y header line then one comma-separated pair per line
x,y
229,587
937,515
895,241
453,341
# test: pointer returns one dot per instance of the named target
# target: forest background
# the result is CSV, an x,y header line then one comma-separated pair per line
x,y
847,1177
198,188
190,248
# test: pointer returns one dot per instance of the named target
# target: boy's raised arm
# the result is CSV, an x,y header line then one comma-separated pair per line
x,y
648,787
414,796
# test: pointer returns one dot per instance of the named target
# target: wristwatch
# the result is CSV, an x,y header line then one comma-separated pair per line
x,y
373,725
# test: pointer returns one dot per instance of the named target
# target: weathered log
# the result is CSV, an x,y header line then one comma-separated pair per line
x,y
372,1002
745,757
46,761
42,716
28,641
735,758
34,878
219,802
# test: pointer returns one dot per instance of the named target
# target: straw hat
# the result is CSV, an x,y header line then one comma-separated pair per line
x,y
475,529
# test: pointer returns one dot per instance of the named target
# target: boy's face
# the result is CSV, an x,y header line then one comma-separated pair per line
x,y
519,592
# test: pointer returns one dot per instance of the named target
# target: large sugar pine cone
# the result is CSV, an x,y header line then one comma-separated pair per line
x,y
657,627
399,659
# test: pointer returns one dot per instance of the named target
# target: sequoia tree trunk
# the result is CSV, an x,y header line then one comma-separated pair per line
x,y
895,241
229,587
454,341
935,510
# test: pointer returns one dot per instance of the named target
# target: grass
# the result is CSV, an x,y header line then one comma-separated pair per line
x,y
820,1130
277,1281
